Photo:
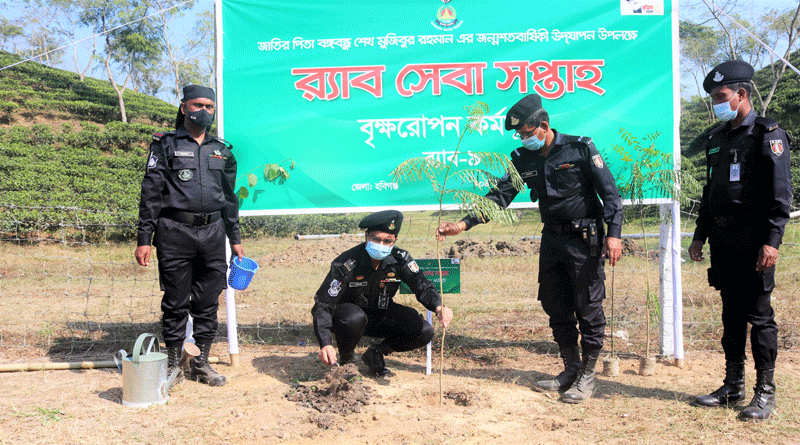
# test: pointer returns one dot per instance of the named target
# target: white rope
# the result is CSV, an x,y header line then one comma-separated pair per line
x,y
756,38
96,35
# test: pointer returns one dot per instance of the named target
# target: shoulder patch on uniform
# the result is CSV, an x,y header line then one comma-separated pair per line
x,y
776,145
597,160
157,136
335,288
413,267
151,163
713,150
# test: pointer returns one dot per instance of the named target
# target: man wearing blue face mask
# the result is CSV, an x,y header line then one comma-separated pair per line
x,y
569,178
188,206
355,299
743,214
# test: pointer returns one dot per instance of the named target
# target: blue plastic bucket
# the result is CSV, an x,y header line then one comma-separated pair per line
x,y
241,272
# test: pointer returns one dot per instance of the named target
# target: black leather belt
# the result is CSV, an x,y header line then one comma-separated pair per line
x,y
193,219
559,229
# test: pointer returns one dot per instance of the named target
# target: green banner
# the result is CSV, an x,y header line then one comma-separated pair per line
x,y
322,100
450,277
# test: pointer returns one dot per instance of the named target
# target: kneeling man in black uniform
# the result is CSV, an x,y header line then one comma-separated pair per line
x,y
356,298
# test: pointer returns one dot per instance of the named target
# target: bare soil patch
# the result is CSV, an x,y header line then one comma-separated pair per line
x,y
482,403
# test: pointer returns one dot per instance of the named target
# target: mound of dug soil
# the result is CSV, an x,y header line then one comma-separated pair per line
x,y
465,248
345,394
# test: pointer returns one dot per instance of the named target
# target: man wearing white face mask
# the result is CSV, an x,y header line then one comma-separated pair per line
x,y
569,178
743,214
355,299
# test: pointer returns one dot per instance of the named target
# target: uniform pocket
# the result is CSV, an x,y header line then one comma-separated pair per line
x,y
216,163
566,181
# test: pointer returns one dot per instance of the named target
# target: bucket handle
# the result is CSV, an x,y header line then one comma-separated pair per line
x,y
137,348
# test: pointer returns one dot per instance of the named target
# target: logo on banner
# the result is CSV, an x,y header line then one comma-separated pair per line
x,y
641,7
446,18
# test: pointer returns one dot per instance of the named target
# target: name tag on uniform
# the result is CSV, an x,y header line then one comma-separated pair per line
x,y
529,174
184,154
358,283
736,170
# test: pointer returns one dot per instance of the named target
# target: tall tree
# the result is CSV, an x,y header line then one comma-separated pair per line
x,y
68,25
9,31
132,42
185,52
700,48
773,29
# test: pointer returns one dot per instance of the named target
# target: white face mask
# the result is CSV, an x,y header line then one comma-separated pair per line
x,y
723,111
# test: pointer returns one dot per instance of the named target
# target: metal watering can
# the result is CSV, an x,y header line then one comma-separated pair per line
x,y
144,373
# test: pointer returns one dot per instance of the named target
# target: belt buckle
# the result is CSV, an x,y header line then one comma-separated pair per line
x,y
200,219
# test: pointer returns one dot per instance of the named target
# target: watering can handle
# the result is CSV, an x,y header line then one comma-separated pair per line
x,y
137,348
118,358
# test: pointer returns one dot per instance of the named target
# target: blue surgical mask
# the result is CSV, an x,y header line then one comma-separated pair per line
x,y
723,111
378,251
533,143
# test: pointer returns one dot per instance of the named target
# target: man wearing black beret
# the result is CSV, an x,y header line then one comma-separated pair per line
x,y
355,299
569,178
743,214
189,206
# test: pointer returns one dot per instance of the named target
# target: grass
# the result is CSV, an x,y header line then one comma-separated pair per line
x,y
70,300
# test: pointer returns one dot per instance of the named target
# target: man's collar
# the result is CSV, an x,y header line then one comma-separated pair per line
x,y
182,132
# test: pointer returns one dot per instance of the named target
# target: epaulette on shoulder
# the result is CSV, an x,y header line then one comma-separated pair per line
x,y
158,136
714,131
346,268
769,124
400,253
577,140
224,142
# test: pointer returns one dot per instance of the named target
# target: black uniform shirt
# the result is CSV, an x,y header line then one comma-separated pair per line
x,y
763,192
567,183
353,280
184,176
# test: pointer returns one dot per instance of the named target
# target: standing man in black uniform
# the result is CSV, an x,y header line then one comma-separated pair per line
x,y
188,203
355,299
743,215
566,174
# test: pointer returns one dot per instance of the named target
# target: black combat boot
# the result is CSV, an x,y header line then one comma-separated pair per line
x,y
174,365
345,357
583,386
373,358
562,382
731,391
201,371
763,404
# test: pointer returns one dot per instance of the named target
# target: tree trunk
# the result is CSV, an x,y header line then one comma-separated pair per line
x,y
119,90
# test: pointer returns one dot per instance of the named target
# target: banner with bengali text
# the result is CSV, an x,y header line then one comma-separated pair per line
x,y
322,100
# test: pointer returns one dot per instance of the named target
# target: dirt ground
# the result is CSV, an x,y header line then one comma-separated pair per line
x,y
280,395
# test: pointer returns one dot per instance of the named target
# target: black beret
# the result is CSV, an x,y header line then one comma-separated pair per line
x,y
522,110
388,221
195,91
732,71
